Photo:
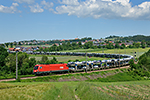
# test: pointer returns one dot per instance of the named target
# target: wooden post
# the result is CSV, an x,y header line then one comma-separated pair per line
x,y
16,65
86,63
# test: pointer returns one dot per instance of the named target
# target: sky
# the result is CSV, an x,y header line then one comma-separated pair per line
x,y
69,19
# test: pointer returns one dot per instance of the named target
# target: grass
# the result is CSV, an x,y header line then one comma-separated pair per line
x,y
9,76
117,78
129,51
66,58
67,76
117,75
139,51
134,90
59,58
104,88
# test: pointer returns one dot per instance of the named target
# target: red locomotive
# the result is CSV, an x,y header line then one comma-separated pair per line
x,y
49,68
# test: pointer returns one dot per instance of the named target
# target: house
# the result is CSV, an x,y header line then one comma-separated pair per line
x,y
96,44
11,49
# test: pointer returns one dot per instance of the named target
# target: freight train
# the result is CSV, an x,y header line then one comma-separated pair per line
x,y
49,68
120,60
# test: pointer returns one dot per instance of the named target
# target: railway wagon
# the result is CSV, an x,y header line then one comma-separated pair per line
x,y
49,68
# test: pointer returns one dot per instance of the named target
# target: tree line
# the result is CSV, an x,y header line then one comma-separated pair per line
x,y
135,38
142,68
25,64
89,44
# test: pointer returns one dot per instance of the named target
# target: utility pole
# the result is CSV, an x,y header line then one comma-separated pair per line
x,y
119,58
16,65
86,63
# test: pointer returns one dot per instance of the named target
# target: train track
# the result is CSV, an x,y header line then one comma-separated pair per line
x,y
127,57
13,79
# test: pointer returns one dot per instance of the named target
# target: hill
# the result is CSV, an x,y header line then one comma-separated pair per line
x,y
130,38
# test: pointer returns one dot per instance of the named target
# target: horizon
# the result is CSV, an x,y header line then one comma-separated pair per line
x,y
72,38
69,19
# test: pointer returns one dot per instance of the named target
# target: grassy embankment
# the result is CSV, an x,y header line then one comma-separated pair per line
x,y
117,75
134,90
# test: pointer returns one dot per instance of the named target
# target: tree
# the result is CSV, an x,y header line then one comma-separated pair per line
x,y
117,45
21,57
132,65
45,49
7,44
32,62
15,43
11,45
44,59
24,68
60,48
54,47
88,45
11,62
109,46
130,46
54,61
40,49
80,44
122,46
143,44
3,55
19,43
137,45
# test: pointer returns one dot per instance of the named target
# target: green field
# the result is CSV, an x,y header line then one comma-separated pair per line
x,y
104,85
139,52
66,58
133,90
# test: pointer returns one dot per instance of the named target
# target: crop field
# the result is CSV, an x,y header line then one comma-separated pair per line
x,y
133,90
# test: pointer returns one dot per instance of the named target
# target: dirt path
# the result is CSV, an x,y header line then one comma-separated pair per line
x,y
65,74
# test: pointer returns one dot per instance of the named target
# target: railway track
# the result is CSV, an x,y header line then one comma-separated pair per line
x,y
13,79
117,56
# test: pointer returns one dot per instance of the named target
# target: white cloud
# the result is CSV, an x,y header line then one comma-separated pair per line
x,y
25,1
70,2
11,9
47,5
104,9
36,8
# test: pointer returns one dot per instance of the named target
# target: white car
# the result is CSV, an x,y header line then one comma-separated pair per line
x,y
84,67
72,68
95,66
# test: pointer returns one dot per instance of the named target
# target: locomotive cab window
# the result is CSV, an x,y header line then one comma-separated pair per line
x,y
40,67
36,67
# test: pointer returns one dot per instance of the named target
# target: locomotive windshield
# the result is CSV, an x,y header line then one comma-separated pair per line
x,y
36,67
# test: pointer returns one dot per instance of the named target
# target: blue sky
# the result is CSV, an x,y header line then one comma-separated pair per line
x,y
68,19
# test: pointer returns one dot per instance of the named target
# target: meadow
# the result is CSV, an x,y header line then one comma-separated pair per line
x,y
65,59
128,51
133,90
104,85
